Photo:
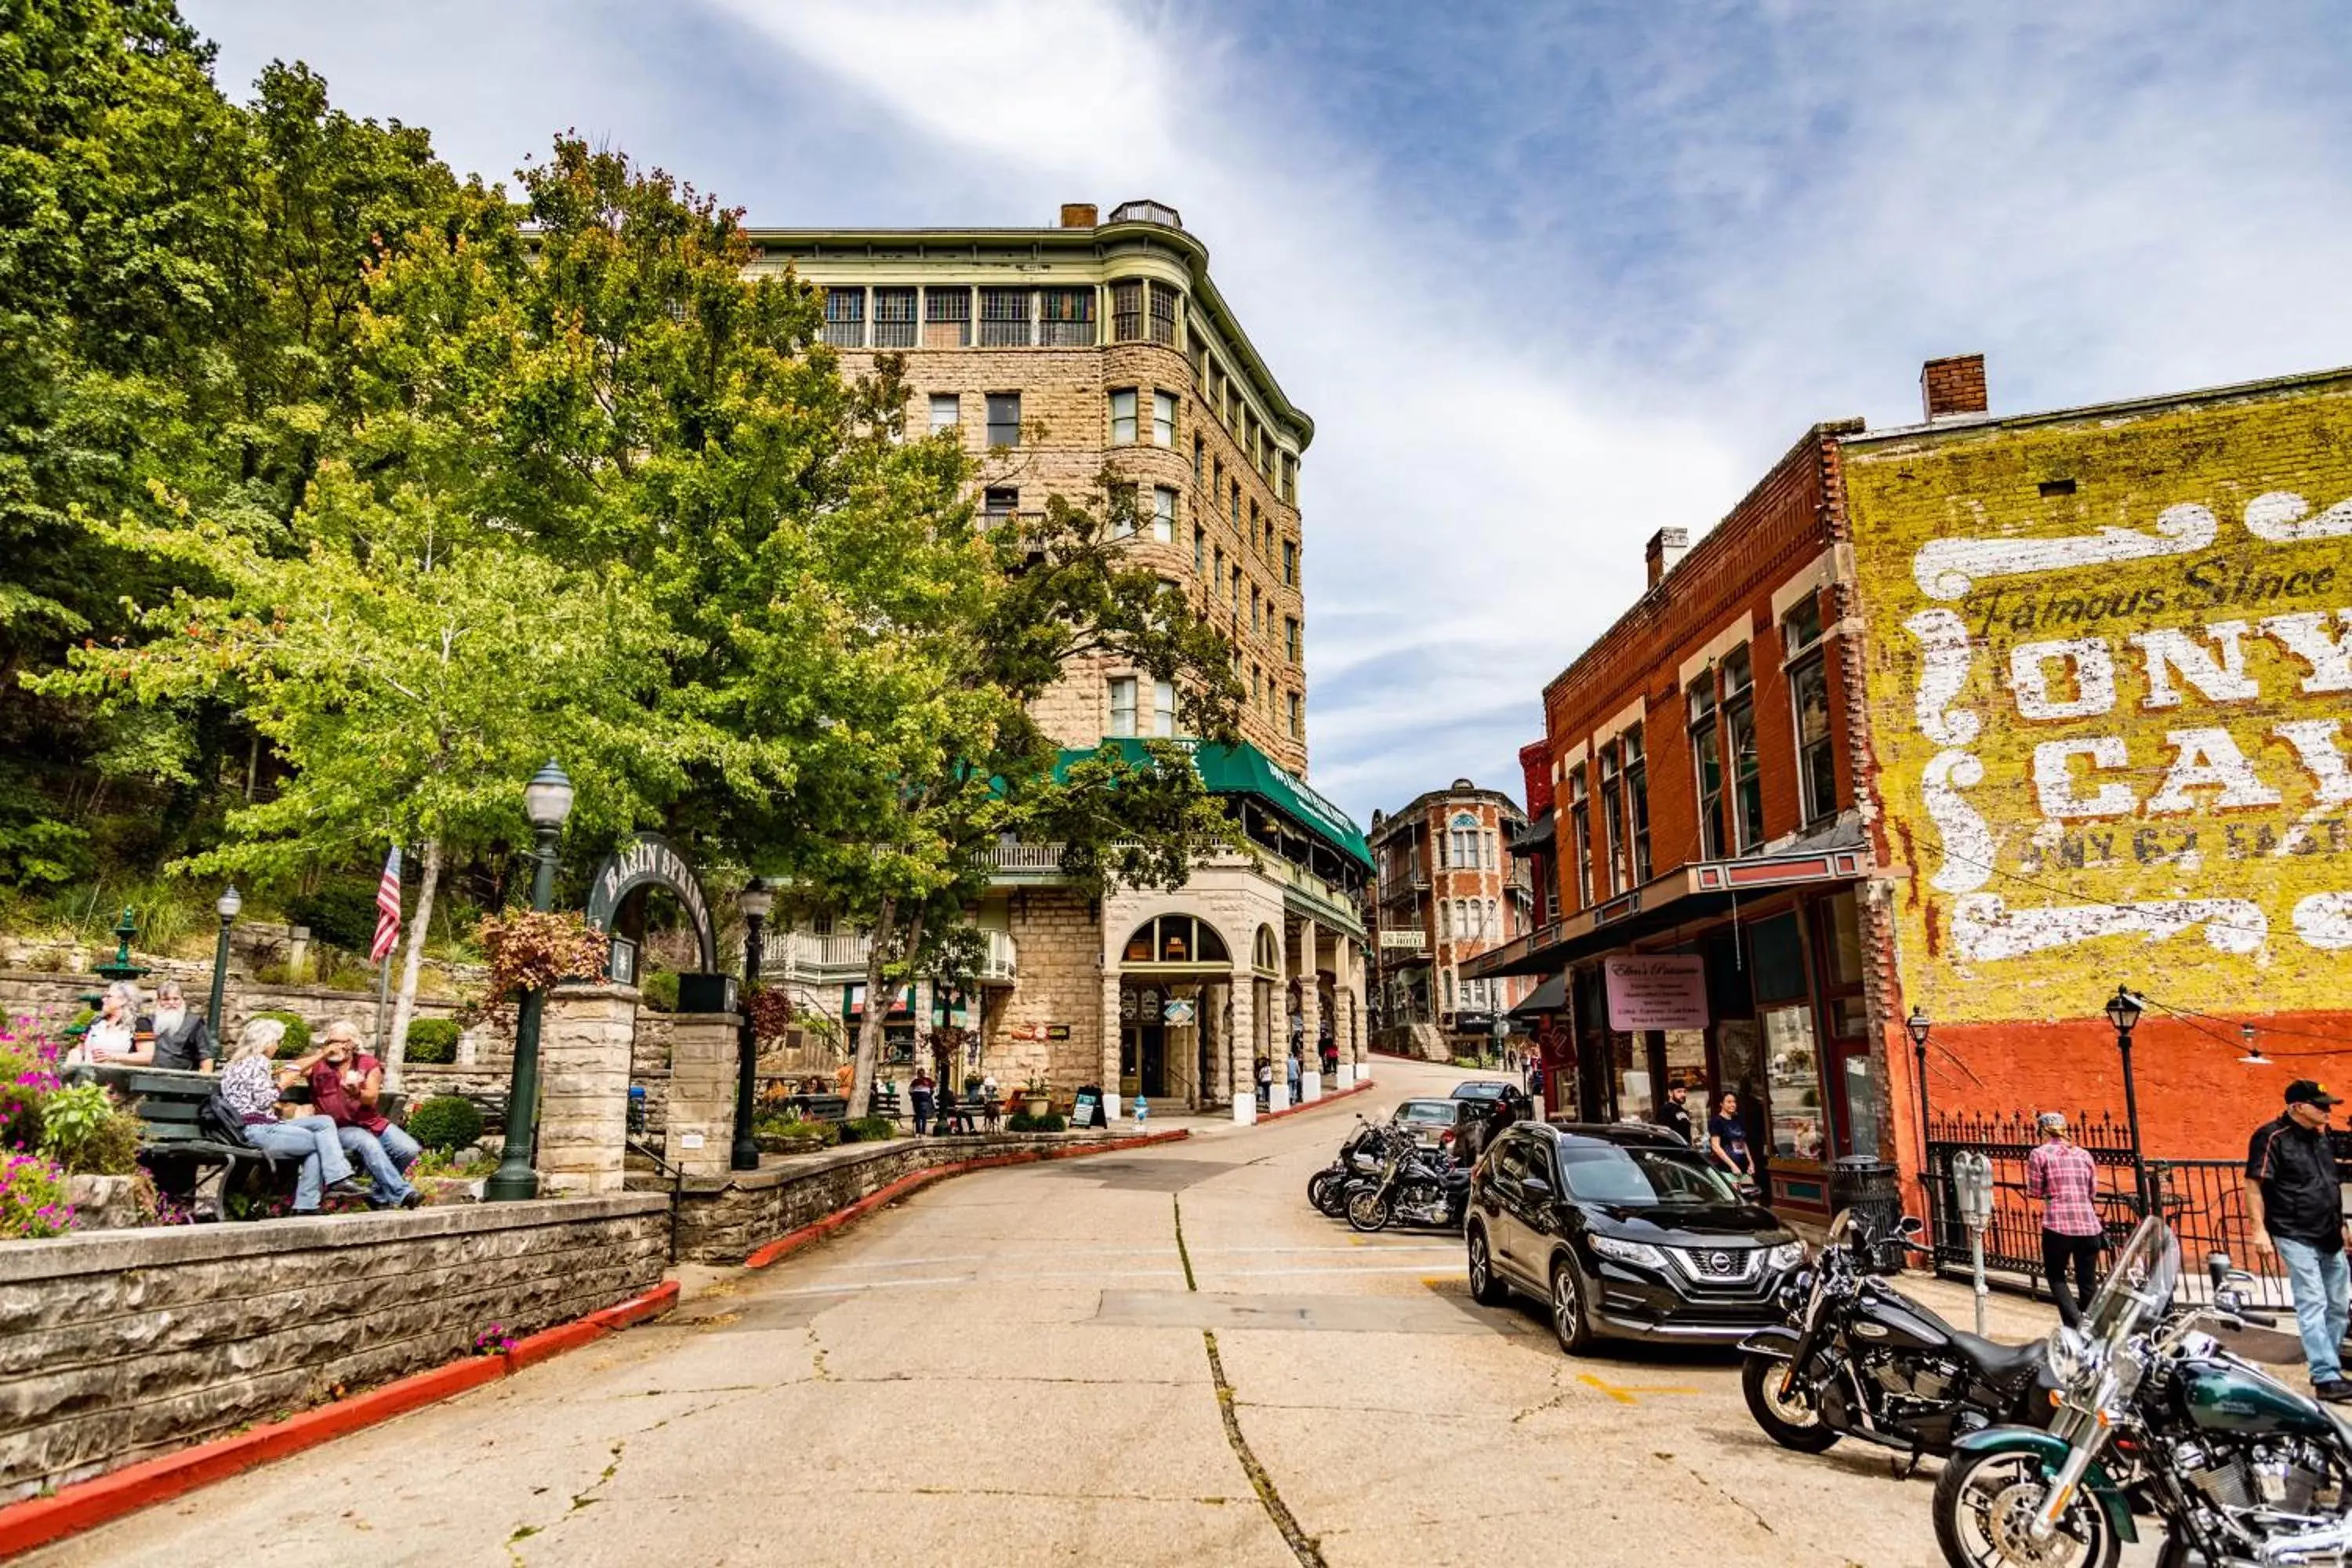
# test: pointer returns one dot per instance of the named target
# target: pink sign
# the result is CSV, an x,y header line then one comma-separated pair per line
x,y
1665,992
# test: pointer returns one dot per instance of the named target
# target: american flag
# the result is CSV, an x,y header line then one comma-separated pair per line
x,y
387,905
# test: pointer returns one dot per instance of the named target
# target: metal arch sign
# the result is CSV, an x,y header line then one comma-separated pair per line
x,y
651,861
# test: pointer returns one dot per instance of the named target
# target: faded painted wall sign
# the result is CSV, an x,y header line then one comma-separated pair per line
x,y
1663,991
2108,669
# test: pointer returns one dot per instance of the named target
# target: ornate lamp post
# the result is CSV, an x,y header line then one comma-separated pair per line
x,y
228,904
2123,1012
1916,1027
546,800
755,901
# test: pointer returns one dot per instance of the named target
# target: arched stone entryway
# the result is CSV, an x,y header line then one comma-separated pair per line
x,y
1174,977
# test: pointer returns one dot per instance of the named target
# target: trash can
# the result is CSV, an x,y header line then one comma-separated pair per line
x,y
1867,1186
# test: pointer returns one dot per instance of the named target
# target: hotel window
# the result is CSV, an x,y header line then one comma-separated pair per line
x,y
1706,763
947,318
1199,455
946,411
845,318
1163,514
1200,548
1613,821
1066,318
1233,596
1289,479
1445,920
1005,419
1637,802
1257,686
1253,621
1579,830
1493,923
1290,636
1127,310
1803,656
1122,417
1164,419
1449,991
1163,708
1296,727
1739,740
894,318
1289,563
1005,317
1164,314
1122,705
998,505
1217,582
1463,833
1233,505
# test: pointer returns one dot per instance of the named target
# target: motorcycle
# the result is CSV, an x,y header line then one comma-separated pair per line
x,y
2243,1471
1859,1359
1413,1186
1359,1156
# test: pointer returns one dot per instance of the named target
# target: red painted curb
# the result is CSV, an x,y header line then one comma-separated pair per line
x,y
86,1504
1312,1104
784,1246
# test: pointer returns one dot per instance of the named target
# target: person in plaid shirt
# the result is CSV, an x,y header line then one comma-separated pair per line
x,y
2062,1174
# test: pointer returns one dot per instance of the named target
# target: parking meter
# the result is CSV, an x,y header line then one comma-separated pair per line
x,y
1972,1191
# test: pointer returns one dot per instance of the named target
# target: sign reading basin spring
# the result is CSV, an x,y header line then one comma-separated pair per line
x,y
651,861
1667,991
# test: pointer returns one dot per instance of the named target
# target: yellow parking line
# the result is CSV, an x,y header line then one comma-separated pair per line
x,y
1625,1396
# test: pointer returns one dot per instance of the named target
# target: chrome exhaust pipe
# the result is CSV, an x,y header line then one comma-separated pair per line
x,y
2329,1546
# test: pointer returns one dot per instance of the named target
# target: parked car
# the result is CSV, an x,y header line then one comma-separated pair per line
x,y
1485,1093
1623,1233
1433,1123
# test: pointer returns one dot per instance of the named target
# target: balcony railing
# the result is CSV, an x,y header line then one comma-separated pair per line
x,y
1032,858
798,954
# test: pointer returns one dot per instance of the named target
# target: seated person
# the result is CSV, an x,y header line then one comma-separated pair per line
x,y
251,1090
345,1086
184,1042
118,1034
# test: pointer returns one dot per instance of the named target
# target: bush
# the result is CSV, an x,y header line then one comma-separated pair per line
x,y
445,1122
433,1040
1050,1123
32,1198
826,1134
83,1131
1020,1122
298,1033
658,988
341,913
868,1130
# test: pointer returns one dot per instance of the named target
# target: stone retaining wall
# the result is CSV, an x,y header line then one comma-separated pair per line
x,y
116,1345
721,1220
57,999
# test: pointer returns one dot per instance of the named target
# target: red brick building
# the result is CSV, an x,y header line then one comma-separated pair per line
x,y
1447,888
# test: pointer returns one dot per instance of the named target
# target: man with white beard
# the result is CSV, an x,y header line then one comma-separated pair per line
x,y
183,1039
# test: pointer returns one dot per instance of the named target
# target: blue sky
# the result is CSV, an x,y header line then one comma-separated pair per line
x,y
1548,276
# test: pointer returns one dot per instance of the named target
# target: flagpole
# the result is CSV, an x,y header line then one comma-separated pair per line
x,y
383,994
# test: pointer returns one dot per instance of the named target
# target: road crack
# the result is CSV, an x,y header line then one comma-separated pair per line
x,y
1302,1545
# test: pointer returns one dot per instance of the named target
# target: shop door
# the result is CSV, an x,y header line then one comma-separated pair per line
x,y
1152,1052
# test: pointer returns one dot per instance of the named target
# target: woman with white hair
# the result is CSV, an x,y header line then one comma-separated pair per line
x,y
118,1033
250,1087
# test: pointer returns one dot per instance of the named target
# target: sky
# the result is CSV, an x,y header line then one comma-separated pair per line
x,y
1548,277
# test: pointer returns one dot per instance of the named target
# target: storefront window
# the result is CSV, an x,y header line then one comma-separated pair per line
x,y
1862,1104
1792,1078
1632,1062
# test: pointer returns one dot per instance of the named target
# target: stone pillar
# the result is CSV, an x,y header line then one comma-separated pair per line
x,y
1355,1047
1310,1013
1111,1031
701,1131
585,1042
1345,1007
1240,1037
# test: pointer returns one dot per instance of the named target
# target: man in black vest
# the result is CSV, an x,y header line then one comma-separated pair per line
x,y
2297,1213
183,1039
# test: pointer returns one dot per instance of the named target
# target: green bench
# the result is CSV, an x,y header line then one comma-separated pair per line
x,y
167,1103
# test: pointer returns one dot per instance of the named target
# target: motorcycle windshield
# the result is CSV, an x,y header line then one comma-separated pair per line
x,y
2137,1288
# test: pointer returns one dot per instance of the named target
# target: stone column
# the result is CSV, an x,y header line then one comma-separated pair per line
x,y
585,1039
1239,1040
1356,1045
1111,1031
701,1131
1310,1013
1345,1005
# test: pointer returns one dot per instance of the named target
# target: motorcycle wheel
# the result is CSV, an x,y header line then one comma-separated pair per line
x,y
1319,1187
1368,1211
1982,1500
1334,1204
1792,1419
2176,1554
1485,1287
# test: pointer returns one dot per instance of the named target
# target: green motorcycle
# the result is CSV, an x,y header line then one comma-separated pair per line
x,y
2156,1417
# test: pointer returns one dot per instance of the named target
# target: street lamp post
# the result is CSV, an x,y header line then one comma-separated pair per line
x,y
546,800
227,905
2123,1012
755,901
1916,1027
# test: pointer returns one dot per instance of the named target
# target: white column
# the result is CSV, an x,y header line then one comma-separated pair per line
x,y
1112,1109
1240,1037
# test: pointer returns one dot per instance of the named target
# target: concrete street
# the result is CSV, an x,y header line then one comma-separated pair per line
x,y
1163,1357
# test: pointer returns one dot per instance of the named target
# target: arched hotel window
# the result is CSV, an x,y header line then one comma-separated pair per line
x,y
1465,839
1265,954
1175,938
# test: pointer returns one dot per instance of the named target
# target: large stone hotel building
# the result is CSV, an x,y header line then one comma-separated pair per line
x,y
1058,355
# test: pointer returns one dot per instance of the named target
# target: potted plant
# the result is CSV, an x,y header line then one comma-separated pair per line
x,y
1037,1098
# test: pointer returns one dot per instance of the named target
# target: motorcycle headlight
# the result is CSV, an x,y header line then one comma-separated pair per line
x,y
1788,1254
2073,1356
1637,1252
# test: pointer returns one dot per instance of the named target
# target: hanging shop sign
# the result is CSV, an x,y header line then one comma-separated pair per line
x,y
1659,990
1412,939
1177,1010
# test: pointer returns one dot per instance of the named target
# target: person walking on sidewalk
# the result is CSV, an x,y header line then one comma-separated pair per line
x,y
2297,1216
2063,1175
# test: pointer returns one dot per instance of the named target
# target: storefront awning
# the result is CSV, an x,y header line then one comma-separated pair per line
x,y
1693,892
1244,770
1537,836
1551,996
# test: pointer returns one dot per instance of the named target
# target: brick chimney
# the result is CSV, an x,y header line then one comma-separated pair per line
x,y
1952,388
1077,215
1666,546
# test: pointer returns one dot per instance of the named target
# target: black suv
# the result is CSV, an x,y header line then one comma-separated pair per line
x,y
1626,1232
1487,1093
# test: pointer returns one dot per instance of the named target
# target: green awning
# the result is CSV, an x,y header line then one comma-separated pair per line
x,y
1246,769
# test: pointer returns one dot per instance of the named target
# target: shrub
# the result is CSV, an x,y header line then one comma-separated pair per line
x,y
83,1131
32,1198
26,1081
826,1134
658,988
297,1032
433,1040
1020,1122
1050,1123
445,1122
341,913
868,1130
